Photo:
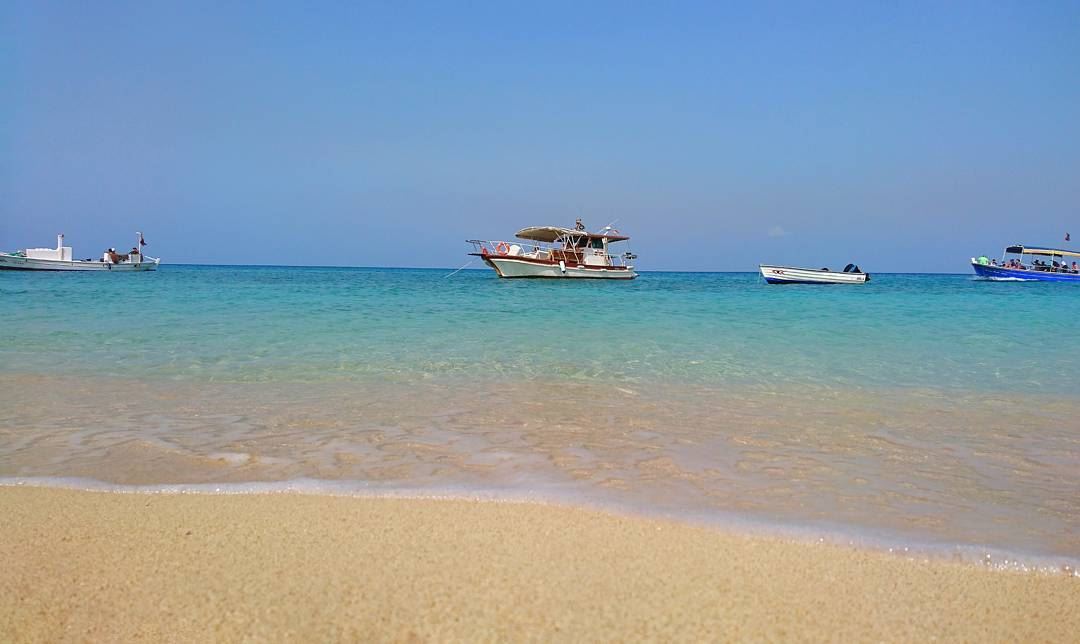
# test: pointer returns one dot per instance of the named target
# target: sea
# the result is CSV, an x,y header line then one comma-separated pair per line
x,y
930,415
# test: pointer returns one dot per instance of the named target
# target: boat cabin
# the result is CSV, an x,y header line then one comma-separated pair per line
x,y
554,244
1027,258
60,253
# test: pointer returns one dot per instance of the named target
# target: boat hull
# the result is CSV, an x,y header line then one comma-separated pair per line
x,y
516,267
792,275
1002,274
15,263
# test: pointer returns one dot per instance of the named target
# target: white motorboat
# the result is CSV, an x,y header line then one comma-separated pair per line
x,y
61,259
558,253
792,275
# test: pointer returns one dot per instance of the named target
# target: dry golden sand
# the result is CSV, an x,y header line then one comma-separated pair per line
x,y
85,566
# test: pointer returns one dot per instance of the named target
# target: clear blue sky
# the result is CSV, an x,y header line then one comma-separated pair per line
x,y
905,136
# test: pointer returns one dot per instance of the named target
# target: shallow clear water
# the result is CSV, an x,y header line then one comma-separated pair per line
x,y
917,409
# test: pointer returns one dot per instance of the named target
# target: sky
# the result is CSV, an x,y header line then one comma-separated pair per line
x,y
904,136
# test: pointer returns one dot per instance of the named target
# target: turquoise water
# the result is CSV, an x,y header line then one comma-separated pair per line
x,y
248,324
938,412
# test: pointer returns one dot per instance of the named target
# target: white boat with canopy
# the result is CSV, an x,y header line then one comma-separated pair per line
x,y
558,253
61,258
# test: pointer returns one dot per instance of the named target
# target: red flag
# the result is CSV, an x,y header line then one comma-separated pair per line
x,y
142,242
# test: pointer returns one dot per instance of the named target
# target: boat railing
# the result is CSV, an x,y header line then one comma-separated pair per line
x,y
505,248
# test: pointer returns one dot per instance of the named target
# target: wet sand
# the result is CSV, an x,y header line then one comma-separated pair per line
x,y
91,566
917,466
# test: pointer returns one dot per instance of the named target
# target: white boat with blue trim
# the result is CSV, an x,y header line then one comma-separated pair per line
x,y
61,258
851,274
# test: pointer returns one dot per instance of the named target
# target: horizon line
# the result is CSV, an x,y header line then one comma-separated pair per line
x,y
478,268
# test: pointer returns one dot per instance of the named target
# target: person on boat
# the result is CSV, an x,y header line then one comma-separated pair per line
x,y
1075,267
578,225
113,257
134,251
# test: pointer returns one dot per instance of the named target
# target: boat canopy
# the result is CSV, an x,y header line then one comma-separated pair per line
x,y
554,233
1020,249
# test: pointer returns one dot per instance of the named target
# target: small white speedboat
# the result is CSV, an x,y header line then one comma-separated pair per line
x,y
792,275
61,259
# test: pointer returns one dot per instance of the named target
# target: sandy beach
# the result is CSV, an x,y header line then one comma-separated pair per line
x,y
92,566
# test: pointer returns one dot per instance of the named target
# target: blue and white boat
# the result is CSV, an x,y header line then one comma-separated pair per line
x,y
1030,263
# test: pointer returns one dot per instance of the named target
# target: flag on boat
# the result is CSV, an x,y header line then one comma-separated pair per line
x,y
1066,236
